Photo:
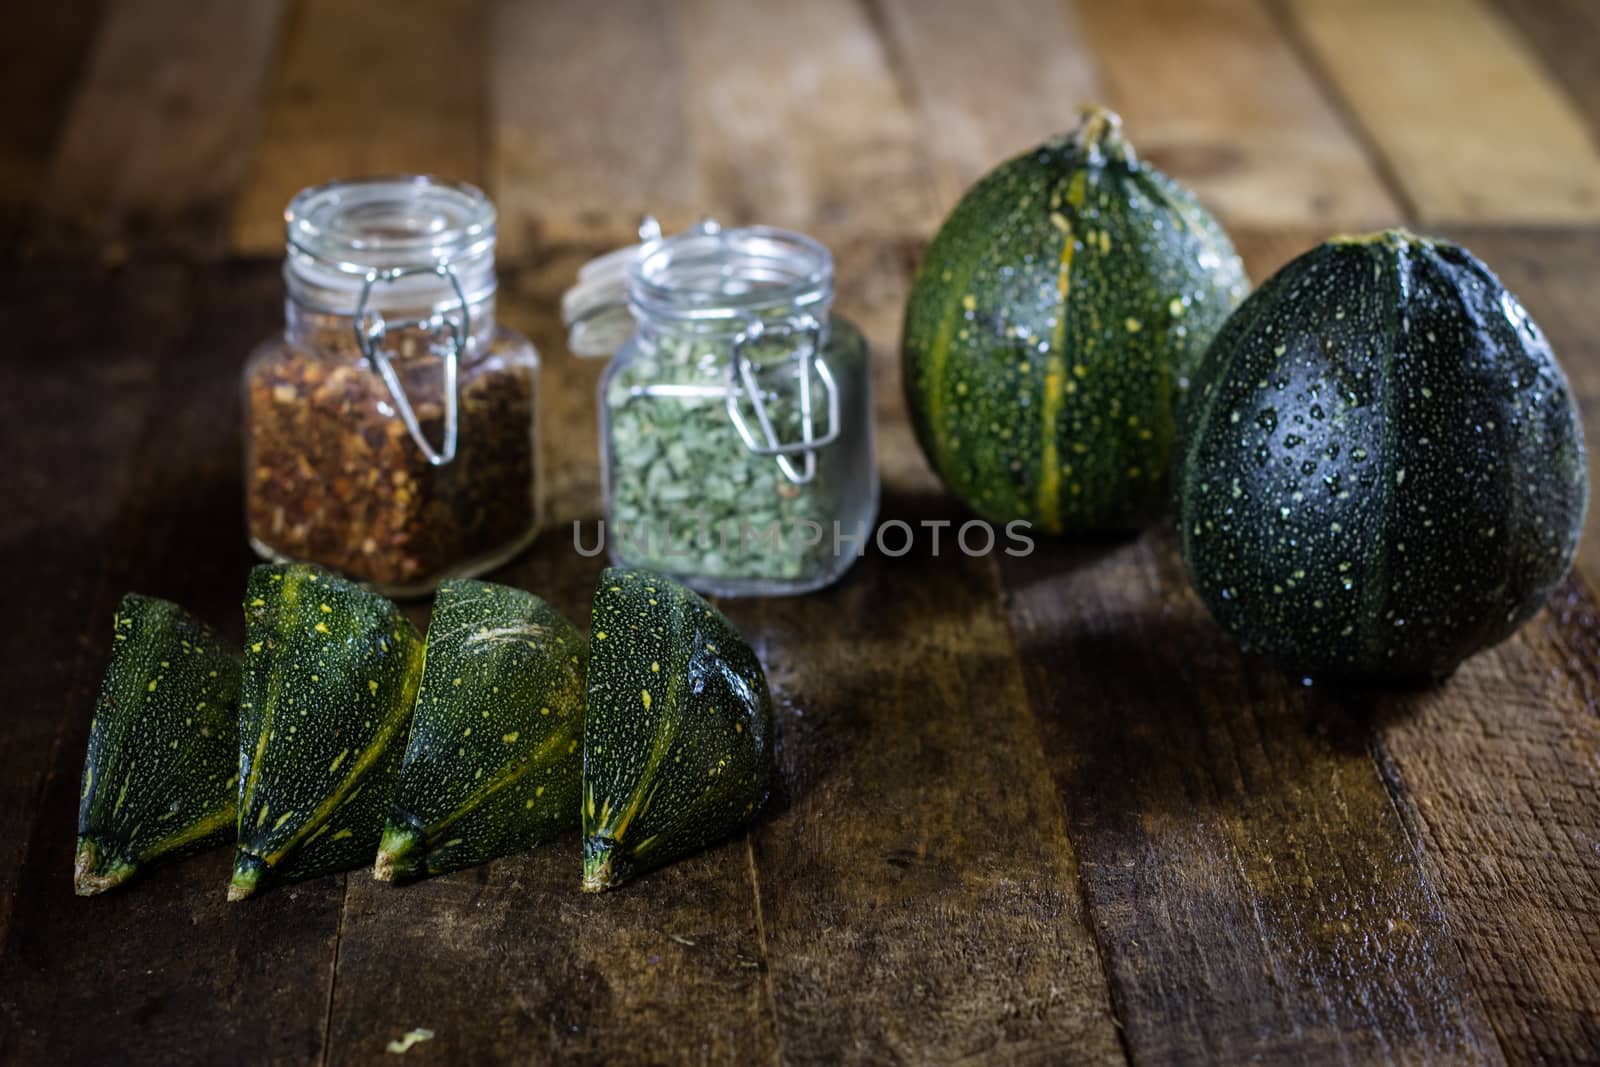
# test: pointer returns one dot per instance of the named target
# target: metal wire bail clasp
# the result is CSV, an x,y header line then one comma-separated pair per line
x,y
371,327
744,385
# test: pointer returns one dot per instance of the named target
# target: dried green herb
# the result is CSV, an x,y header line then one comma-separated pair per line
x,y
687,496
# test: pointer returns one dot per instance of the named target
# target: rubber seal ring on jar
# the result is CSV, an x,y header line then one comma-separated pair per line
x,y
371,328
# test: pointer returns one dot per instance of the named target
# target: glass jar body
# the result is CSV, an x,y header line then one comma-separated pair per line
x,y
687,496
332,475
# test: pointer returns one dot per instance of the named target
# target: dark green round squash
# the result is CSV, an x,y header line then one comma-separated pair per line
x,y
1053,325
1381,470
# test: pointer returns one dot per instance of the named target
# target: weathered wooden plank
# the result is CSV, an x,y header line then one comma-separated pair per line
x,y
363,91
1253,888
797,118
988,80
1467,118
41,58
1566,34
1214,93
165,969
156,142
587,123
993,81
919,894
510,962
83,342
1495,772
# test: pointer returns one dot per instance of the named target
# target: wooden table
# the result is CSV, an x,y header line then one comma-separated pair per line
x,y
1032,810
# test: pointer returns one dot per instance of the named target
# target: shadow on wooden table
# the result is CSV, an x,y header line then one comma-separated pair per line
x,y
1151,703
1223,812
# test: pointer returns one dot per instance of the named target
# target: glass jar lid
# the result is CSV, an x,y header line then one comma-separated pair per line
x,y
702,276
404,230
712,273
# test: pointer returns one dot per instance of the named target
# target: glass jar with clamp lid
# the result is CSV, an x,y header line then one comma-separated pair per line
x,y
390,432
736,413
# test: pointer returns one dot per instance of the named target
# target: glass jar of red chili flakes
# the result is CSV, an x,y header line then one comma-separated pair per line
x,y
390,432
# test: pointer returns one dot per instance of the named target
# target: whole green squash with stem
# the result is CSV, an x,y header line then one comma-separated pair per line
x,y
1052,328
1382,467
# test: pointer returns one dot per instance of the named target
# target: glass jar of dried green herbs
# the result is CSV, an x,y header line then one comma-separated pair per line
x,y
390,430
736,417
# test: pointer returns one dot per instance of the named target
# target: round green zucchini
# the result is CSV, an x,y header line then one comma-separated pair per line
x,y
1052,327
1381,467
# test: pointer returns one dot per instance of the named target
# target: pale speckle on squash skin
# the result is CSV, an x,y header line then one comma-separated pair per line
x,y
1382,469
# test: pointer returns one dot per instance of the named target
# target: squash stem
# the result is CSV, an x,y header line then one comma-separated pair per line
x,y
1099,136
95,871
246,876
1398,237
399,855
600,865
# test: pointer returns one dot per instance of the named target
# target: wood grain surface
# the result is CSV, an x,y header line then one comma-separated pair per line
x,y
1030,810
155,144
1478,130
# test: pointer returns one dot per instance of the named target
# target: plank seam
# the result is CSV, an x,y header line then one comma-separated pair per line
x,y
761,940
24,236
333,976
1090,915
486,174
1558,74
899,65
1579,577
1409,818
250,154
1279,15
762,653
895,59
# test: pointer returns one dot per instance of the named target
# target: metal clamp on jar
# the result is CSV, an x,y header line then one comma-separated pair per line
x,y
390,432
736,412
